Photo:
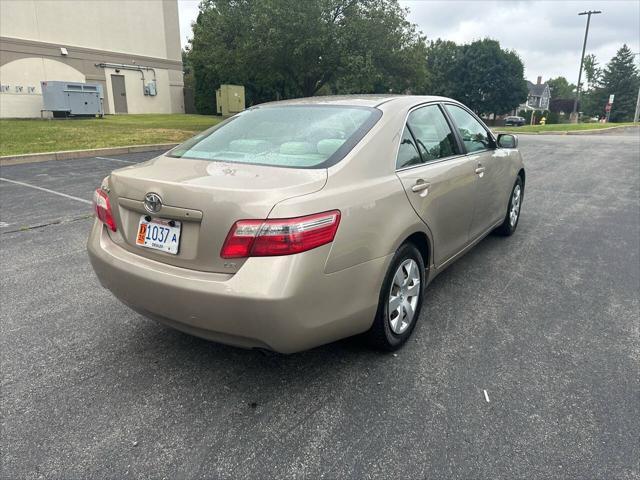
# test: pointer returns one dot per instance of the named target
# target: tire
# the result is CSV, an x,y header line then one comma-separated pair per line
x,y
509,225
391,329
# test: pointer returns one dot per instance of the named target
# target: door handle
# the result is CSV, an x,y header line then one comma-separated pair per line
x,y
420,186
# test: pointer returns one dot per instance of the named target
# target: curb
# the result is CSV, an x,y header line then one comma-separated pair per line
x,y
74,154
599,130
595,131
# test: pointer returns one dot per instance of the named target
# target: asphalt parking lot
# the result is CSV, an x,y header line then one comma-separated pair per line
x,y
546,321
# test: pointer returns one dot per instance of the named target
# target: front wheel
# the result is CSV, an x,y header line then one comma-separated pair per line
x,y
400,300
510,222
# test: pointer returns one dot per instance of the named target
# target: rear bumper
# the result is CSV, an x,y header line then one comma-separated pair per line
x,y
285,304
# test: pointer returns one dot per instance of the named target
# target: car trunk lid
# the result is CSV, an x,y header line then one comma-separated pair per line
x,y
207,198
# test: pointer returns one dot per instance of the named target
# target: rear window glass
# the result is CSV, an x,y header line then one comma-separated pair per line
x,y
309,136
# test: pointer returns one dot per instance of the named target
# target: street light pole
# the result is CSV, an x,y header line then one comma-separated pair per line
x,y
574,114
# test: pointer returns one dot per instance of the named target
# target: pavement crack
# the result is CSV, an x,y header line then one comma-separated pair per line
x,y
59,221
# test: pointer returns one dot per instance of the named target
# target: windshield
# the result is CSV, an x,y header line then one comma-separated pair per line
x,y
300,136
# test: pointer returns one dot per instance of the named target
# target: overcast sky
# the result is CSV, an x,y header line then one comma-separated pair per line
x,y
547,34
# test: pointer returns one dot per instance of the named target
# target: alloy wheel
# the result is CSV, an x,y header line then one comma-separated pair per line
x,y
515,206
404,296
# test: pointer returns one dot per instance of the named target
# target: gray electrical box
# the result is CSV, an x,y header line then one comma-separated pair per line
x,y
150,89
72,99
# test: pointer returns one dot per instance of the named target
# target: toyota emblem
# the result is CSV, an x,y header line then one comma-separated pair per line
x,y
152,202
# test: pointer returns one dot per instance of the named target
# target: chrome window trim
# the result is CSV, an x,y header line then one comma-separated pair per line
x,y
431,162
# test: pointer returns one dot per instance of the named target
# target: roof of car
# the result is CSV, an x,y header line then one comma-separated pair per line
x,y
373,100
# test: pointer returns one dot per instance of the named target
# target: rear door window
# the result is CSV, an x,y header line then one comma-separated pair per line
x,y
434,138
408,154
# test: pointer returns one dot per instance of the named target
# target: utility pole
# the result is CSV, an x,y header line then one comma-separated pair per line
x,y
574,114
637,114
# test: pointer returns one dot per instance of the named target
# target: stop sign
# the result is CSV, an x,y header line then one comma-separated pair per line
x,y
607,107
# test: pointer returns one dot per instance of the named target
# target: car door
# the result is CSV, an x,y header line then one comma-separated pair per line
x,y
489,168
438,178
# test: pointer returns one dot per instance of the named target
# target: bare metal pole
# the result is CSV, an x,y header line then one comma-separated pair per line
x,y
637,114
574,114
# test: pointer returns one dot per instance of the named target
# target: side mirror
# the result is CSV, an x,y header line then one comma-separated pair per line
x,y
506,140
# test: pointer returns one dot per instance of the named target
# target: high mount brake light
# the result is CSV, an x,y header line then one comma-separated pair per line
x,y
102,209
263,238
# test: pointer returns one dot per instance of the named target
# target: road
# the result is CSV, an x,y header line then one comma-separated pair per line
x,y
546,322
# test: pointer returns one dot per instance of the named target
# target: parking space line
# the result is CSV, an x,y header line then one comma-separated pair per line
x,y
77,199
115,159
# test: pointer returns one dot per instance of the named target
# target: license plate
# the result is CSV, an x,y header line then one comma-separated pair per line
x,y
159,234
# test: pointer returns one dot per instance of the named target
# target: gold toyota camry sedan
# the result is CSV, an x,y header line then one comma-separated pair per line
x,y
297,223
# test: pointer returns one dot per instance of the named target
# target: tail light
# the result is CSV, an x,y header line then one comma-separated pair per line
x,y
263,238
102,209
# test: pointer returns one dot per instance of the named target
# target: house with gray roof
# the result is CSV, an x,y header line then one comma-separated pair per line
x,y
538,97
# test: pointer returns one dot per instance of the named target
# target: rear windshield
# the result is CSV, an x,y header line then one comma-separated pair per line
x,y
298,136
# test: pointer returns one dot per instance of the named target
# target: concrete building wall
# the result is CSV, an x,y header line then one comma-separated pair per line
x,y
132,32
137,102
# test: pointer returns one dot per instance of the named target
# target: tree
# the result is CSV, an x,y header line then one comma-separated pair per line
x,y
487,78
620,77
592,99
592,73
481,74
289,48
561,88
441,60
187,70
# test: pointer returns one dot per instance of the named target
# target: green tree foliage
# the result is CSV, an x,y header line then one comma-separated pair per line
x,y
442,60
290,48
592,97
482,75
592,73
561,88
187,71
621,78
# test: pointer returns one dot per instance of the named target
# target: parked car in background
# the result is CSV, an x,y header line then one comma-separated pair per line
x,y
514,121
301,222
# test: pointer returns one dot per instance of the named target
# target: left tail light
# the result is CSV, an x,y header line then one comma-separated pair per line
x,y
264,238
102,209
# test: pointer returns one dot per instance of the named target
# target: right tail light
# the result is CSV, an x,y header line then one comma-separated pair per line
x,y
263,238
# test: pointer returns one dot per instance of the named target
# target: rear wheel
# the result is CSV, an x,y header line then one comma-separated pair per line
x,y
510,222
400,300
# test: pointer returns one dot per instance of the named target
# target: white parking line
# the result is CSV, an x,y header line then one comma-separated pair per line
x,y
77,199
115,159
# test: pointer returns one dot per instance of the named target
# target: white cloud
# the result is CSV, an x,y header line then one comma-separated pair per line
x,y
547,35
188,12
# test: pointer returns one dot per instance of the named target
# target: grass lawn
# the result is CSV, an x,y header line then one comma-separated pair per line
x,y
562,127
35,135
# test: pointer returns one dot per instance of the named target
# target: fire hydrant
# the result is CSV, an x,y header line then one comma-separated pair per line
x,y
543,120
